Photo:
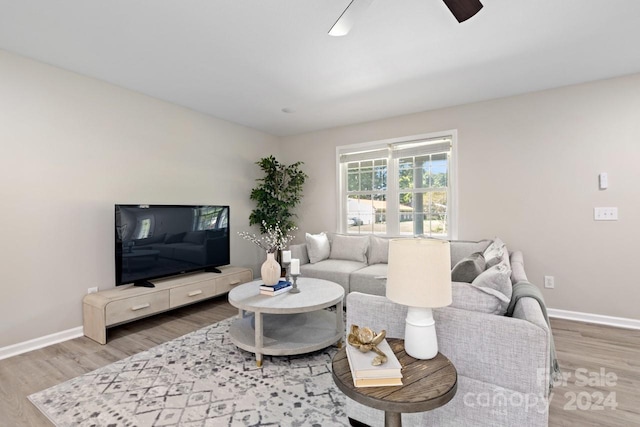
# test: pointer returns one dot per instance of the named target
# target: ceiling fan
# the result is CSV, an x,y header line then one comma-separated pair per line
x,y
461,9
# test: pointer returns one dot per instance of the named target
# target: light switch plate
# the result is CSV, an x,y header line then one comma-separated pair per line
x,y
604,180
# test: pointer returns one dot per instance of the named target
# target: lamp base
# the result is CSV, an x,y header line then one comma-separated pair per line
x,y
420,339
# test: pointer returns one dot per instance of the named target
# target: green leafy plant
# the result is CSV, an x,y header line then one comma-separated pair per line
x,y
278,193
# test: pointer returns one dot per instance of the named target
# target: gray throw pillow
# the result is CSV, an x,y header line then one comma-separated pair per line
x,y
317,247
378,250
468,268
352,248
496,281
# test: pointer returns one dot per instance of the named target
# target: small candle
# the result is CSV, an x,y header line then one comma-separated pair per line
x,y
286,256
295,266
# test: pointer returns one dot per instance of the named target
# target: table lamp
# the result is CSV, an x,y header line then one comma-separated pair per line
x,y
419,276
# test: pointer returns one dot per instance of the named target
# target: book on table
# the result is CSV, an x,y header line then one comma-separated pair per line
x,y
281,284
278,292
366,375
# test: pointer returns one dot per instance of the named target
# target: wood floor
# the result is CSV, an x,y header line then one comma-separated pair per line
x,y
603,363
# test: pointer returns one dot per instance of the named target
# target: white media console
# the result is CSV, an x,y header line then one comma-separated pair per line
x,y
123,304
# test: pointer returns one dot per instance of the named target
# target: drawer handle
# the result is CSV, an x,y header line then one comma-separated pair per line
x,y
140,307
194,293
234,282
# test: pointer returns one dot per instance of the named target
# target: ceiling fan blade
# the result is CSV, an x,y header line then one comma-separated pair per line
x,y
463,9
350,15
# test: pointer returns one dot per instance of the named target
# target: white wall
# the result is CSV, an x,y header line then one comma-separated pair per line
x,y
528,172
72,147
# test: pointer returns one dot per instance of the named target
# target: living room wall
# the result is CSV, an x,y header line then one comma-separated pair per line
x,y
72,147
528,172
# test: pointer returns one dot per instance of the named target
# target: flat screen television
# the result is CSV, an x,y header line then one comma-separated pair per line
x,y
154,241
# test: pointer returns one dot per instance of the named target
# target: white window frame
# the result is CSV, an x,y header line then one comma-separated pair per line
x,y
392,193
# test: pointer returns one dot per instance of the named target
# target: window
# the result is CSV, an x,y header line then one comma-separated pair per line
x,y
399,187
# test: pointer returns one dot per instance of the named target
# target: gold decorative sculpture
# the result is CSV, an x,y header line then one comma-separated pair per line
x,y
365,340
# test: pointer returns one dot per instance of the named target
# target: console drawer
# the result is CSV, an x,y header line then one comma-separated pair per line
x,y
226,283
192,293
135,307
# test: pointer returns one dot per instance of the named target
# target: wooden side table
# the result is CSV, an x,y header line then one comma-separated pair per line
x,y
427,384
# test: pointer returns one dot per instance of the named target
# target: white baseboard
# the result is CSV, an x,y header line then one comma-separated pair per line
x,y
36,343
618,322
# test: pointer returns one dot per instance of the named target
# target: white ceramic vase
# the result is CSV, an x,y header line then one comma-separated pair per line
x,y
270,270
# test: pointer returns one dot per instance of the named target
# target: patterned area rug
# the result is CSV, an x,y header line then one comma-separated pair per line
x,y
200,379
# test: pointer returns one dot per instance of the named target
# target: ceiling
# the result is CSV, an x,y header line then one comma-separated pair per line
x,y
247,60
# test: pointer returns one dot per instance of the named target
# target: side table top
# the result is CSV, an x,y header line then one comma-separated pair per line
x,y
315,294
427,384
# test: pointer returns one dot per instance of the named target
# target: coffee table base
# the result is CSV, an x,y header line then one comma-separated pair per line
x,y
287,334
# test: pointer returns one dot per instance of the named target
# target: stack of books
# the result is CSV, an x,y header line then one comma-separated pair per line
x,y
279,288
366,375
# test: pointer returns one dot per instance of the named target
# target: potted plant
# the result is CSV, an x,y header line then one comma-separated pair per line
x,y
279,192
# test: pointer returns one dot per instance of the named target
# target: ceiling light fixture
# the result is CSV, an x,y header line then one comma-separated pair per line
x,y
461,10
345,22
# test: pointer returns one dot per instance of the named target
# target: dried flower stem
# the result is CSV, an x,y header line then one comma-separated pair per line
x,y
272,241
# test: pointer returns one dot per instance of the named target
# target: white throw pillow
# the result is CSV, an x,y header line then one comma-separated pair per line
x,y
496,253
318,247
352,248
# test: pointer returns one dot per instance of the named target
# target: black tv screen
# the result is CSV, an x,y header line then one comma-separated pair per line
x,y
154,241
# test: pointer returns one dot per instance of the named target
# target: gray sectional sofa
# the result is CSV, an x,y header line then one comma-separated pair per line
x,y
503,363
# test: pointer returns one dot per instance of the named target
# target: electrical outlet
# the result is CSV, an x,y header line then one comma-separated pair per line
x,y
549,283
605,214
92,290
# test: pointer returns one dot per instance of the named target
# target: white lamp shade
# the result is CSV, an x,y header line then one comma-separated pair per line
x,y
419,272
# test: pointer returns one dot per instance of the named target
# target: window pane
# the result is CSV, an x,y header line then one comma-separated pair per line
x,y
380,175
366,181
405,173
367,214
353,181
367,175
423,213
439,171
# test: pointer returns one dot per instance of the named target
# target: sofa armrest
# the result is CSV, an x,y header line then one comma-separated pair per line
x,y
516,259
300,252
510,353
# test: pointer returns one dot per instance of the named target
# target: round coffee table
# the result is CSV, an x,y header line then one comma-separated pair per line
x,y
427,384
287,323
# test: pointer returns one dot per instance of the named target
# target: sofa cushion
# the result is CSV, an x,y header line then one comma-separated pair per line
x,y
351,248
463,248
334,270
370,280
468,268
378,250
468,297
317,247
